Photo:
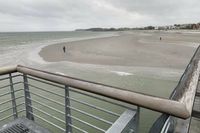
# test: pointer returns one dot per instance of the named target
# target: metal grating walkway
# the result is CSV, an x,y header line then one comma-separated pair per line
x,y
16,128
23,125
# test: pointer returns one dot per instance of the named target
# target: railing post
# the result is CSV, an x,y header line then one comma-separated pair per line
x,y
133,125
27,96
67,111
137,120
15,114
127,122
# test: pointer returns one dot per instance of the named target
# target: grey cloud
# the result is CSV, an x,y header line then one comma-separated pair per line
x,y
169,11
157,7
19,15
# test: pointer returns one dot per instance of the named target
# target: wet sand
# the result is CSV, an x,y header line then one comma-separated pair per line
x,y
130,49
138,49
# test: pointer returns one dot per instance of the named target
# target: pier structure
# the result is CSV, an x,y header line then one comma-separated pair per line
x,y
36,101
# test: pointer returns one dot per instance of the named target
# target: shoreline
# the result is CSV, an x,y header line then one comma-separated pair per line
x,y
45,61
124,50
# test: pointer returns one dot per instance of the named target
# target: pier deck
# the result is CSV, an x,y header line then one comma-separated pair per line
x,y
23,125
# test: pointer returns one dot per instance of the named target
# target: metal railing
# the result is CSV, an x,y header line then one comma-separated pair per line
x,y
184,92
69,104
62,107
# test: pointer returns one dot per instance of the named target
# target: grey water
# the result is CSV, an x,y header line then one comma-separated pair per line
x,y
23,48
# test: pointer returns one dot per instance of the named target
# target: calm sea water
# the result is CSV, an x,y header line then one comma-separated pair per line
x,y
22,48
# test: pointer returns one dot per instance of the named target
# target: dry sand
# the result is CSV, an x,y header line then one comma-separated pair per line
x,y
133,49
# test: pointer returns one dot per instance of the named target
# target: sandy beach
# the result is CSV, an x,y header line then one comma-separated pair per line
x,y
129,49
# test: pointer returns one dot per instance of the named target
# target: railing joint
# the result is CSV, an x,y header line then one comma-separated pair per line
x,y
12,92
27,99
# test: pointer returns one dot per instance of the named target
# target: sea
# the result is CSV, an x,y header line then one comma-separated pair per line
x,y
23,48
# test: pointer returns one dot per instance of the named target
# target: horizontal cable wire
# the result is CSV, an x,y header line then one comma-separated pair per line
x,y
45,105
6,117
18,97
47,98
3,87
4,110
4,78
77,91
9,77
101,99
88,124
7,101
4,94
74,109
46,113
77,128
90,115
45,90
73,99
80,111
56,111
51,123
93,106
64,105
45,82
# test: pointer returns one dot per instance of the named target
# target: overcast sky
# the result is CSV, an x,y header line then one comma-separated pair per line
x,y
56,15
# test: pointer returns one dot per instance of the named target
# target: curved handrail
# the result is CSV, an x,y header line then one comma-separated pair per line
x,y
154,103
8,69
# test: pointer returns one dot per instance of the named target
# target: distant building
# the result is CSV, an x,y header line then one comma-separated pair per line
x,y
185,26
149,28
179,26
196,26
161,27
170,27
156,27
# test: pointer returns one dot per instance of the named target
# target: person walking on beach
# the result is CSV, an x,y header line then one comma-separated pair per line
x,y
160,38
64,49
